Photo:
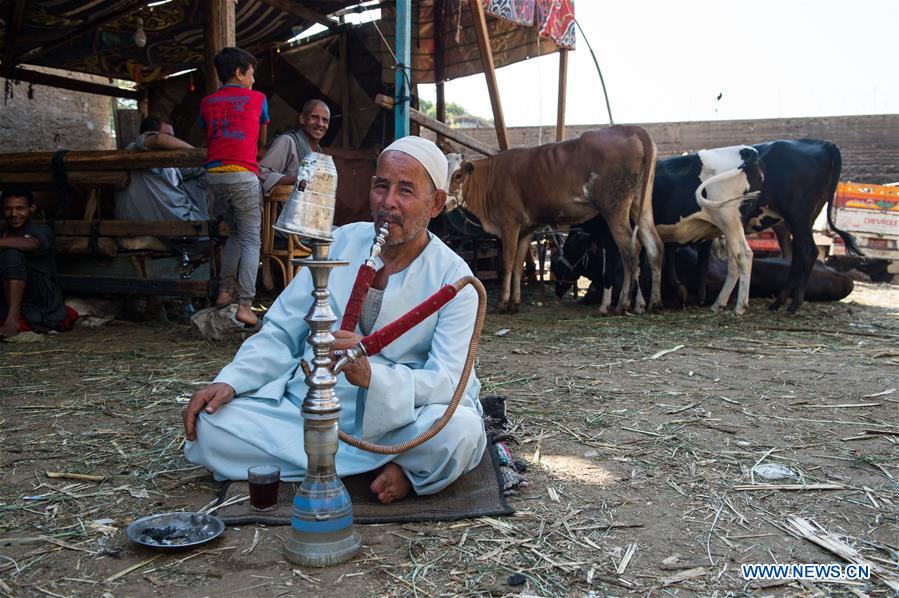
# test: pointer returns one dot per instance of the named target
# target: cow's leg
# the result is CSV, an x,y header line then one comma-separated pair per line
x,y
625,241
654,247
522,250
783,239
509,241
739,259
805,250
704,251
744,263
671,281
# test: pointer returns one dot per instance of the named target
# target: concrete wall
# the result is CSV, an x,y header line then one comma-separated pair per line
x,y
869,144
54,118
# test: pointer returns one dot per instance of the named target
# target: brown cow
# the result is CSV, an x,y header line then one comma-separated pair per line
x,y
606,171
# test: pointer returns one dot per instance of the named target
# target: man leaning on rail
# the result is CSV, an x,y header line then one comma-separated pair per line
x,y
251,414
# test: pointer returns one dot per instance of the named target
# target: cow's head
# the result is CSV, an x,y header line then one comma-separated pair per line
x,y
458,171
568,264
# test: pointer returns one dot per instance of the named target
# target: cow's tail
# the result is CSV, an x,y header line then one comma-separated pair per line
x,y
650,152
836,161
703,202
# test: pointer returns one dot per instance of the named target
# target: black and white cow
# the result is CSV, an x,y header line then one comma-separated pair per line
x,y
697,197
800,177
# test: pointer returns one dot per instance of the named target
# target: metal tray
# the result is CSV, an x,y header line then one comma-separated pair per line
x,y
173,531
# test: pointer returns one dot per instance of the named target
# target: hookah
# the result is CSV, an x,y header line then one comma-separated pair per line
x,y
322,531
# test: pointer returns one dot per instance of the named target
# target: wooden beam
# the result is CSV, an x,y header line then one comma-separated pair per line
x,y
117,179
132,285
133,228
103,160
220,32
483,35
563,88
13,25
29,76
298,10
125,7
438,127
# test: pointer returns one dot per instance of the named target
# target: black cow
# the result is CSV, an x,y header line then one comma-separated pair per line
x,y
801,177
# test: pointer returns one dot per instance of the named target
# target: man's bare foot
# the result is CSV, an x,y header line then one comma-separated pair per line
x,y
391,484
9,328
245,315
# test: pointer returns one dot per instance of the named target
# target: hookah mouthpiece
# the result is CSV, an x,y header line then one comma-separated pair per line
x,y
380,239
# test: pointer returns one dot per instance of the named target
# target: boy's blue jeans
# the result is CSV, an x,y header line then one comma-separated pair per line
x,y
237,197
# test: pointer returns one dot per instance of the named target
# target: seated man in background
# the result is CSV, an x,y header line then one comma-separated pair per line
x,y
280,165
251,414
162,193
27,269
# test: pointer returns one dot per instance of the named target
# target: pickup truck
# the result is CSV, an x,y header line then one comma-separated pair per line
x,y
870,213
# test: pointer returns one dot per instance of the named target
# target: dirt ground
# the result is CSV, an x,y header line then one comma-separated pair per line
x,y
642,433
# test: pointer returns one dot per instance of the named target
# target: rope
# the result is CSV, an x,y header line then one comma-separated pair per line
x,y
396,449
598,70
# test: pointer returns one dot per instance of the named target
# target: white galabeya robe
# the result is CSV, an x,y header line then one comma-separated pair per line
x,y
412,379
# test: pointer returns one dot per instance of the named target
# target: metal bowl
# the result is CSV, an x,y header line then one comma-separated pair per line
x,y
172,531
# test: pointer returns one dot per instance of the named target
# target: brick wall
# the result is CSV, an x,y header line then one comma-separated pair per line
x,y
869,144
54,118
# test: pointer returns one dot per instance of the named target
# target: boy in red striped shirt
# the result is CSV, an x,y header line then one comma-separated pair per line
x,y
236,120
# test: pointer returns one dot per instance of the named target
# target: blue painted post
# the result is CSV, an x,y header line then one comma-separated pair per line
x,y
403,71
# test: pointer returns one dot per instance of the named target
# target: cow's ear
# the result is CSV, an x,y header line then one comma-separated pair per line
x,y
467,167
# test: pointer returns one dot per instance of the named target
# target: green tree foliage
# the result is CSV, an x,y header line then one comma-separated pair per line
x,y
453,110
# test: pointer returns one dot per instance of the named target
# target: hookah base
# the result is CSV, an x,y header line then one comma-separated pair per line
x,y
322,550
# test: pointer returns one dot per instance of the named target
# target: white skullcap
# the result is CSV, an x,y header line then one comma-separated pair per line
x,y
428,155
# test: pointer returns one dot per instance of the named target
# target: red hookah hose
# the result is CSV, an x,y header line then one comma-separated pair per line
x,y
443,295
379,339
364,278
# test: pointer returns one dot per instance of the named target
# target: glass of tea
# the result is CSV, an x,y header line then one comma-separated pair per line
x,y
263,481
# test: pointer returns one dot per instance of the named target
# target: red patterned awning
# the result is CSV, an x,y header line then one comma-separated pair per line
x,y
552,18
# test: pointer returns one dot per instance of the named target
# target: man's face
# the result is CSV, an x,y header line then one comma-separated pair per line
x,y
403,196
167,129
17,211
315,123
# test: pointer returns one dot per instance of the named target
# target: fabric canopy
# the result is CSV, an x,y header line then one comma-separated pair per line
x,y
97,36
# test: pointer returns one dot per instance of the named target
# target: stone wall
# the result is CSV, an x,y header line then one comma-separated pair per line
x,y
869,144
54,118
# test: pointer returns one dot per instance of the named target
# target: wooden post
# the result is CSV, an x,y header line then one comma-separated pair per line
x,y
563,86
438,61
403,69
143,103
344,92
220,32
16,14
480,26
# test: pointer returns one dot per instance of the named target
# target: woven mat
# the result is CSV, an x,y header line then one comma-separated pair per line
x,y
476,494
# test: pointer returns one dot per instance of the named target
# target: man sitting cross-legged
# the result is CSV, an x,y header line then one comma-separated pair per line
x,y
27,268
251,414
